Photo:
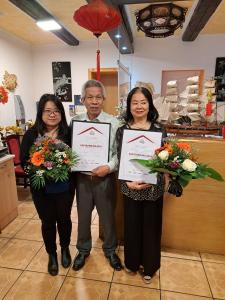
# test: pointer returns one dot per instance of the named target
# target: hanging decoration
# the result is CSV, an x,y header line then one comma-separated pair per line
x,y
97,17
10,81
3,95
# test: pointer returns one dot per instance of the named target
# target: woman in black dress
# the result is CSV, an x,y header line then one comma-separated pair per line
x,y
53,204
143,202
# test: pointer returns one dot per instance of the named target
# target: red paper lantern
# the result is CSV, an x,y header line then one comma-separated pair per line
x,y
97,17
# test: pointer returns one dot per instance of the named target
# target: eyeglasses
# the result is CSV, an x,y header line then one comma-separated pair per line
x,y
97,98
49,112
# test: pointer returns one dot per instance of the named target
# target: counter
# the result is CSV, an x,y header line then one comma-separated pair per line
x,y
8,191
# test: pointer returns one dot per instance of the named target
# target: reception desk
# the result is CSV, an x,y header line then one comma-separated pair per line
x,y
8,191
195,221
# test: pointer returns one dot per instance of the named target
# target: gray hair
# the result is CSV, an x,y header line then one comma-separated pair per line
x,y
92,83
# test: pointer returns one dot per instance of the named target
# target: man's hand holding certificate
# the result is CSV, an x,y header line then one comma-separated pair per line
x,y
138,144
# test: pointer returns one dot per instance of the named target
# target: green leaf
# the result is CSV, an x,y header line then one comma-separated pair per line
x,y
214,174
184,180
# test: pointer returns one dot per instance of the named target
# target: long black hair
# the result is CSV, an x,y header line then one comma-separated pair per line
x,y
40,126
152,114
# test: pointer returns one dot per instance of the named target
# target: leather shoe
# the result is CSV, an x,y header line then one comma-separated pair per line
x,y
65,257
79,261
114,261
53,267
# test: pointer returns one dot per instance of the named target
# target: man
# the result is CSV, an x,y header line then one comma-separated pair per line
x,y
97,188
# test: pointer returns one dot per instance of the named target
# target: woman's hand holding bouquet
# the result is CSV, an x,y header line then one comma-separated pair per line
x,y
50,160
177,160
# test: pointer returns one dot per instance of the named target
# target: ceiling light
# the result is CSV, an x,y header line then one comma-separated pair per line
x,y
118,36
124,48
160,20
48,25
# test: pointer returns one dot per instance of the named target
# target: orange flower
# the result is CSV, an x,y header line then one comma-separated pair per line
x,y
184,146
37,159
66,161
167,147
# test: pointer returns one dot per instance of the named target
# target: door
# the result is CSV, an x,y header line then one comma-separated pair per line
x,y
109,78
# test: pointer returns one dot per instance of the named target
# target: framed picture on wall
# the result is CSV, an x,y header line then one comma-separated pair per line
x,y
220,66
62,85
220,78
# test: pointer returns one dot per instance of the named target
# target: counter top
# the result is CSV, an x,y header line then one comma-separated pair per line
x,y
6,157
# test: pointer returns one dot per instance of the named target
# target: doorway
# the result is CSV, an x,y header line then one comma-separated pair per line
x,y
109,77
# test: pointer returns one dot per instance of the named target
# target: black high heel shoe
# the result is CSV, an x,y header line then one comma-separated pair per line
x,y
53,267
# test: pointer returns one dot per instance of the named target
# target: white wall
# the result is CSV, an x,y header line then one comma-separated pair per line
x,y
16,58
154,55
82,58
34,68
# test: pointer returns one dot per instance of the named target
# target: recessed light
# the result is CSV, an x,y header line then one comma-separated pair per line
x,y
48,25
118,36
124,48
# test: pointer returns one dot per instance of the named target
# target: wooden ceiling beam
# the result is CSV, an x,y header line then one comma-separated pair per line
x,y
199,18
38,12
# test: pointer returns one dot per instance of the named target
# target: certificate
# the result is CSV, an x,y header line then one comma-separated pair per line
x,y
90,141
138,144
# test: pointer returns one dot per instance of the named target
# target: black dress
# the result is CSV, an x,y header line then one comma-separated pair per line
x,y
142,220
53,208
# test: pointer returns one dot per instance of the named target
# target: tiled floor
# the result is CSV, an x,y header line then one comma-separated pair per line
x,y
23,269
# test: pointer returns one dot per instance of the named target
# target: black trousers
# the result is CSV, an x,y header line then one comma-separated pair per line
x,y
54,209
142,234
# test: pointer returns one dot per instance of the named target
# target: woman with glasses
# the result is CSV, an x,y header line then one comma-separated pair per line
x,y
53,204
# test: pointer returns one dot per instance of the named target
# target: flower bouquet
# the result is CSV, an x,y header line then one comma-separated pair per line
x,y
50,160
177,159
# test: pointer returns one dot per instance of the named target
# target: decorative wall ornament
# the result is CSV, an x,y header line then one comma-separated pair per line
x,y
10,81
62,80
3,95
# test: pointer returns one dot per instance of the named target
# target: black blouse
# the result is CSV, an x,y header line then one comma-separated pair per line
x,y
155,191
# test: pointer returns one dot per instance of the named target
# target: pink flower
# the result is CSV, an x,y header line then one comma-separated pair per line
x,y
48,165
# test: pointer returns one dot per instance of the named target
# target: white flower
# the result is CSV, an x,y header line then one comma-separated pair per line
x,y
188,165
163,155
39,173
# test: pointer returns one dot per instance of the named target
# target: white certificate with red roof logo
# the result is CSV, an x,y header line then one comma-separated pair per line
x,y
138,144
90,141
